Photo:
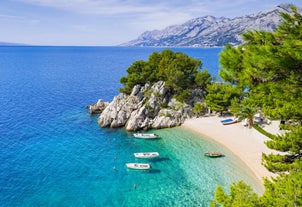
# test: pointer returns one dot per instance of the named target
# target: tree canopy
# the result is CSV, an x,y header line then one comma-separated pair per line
x,y
179,71
220,95
268,68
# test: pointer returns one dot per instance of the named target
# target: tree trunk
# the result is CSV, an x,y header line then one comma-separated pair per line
x,y
251,123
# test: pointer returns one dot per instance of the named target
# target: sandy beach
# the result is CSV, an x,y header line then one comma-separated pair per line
x,y
247,144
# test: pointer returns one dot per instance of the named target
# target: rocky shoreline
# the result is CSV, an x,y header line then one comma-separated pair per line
x,y
147,107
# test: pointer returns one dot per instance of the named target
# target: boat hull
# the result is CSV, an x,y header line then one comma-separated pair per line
x,y
138,166
145,136
228,121
213,154
146,155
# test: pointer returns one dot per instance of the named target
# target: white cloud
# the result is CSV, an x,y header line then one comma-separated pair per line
x,y
154,14
11,17
95,6
18,19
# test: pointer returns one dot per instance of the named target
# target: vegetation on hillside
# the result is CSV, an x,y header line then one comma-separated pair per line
x,y
267,69
180,72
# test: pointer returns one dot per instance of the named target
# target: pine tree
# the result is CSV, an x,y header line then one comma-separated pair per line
x,y
268,66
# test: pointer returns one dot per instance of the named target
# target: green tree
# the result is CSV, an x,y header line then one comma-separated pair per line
x,y
198,108
220,95
136,76
241,195
180,72
203,79
268,66
284,190
244,111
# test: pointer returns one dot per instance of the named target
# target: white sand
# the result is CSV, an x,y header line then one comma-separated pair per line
x,y
247,144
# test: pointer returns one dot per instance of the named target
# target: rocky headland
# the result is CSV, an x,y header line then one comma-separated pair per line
x,y
147,107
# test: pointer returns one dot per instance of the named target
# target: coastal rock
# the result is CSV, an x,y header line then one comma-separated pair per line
x,y
146,107
118,111
98,107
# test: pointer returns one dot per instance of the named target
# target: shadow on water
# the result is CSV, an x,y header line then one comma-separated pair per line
x,y
154,171
159,159
148,140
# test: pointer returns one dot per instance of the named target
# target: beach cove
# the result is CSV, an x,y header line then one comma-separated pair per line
x,y
248,144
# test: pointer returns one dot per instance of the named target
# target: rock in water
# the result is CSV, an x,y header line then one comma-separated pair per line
x,y
98,107
145,108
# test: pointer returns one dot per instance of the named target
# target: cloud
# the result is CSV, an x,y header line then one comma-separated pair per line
x,y
95,6
11,17
155,14
18,19
122,7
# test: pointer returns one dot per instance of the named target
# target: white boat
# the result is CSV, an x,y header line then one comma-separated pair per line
x,y
138,166
145,136
146,154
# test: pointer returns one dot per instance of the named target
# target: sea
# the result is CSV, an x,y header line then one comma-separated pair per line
x,y
53,153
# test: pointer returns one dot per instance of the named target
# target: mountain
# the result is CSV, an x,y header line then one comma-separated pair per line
x,y
11,44
209,31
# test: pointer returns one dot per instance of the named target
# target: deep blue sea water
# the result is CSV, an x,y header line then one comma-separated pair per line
x,y
53,153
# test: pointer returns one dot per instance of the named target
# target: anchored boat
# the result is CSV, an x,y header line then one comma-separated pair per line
x,y
138,166
145,136
146,154
213,154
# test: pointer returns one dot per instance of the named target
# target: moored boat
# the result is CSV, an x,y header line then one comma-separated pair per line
x,y
213,154
138,166
145,136
228,121
146,154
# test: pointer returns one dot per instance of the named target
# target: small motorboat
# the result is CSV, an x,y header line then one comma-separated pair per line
x,y
145,136
138,166
146,154
213,154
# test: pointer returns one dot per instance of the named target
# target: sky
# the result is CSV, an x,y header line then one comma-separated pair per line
x,y
109,22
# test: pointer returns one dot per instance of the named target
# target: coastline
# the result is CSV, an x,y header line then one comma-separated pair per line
x,y
247,144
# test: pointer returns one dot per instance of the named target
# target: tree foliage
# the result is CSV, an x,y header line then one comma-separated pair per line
x,y
243,110
198,108
241,195
285,190
179,71
220,95
268,66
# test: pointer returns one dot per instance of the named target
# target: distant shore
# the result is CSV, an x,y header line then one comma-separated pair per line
x,y
247,144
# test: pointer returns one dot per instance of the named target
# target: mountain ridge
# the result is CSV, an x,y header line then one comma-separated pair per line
x,y
210,31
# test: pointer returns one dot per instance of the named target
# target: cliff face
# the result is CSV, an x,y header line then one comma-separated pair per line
x,y
211,31
145,108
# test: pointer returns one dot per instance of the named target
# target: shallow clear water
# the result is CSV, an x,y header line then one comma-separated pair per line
x,y
53,153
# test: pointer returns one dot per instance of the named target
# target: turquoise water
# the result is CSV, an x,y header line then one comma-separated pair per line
x,y
53,153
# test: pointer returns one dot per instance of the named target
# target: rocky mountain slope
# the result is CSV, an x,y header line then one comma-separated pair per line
x,y
209,31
